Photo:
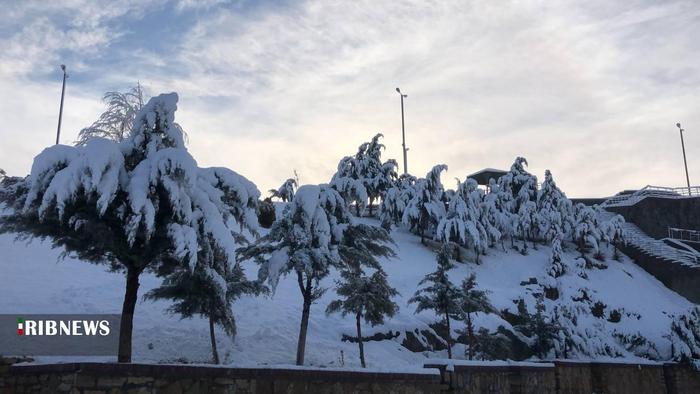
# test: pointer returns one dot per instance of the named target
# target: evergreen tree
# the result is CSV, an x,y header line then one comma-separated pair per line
x,y
527,222
556,266
555,211
142,204
614,232
363,177
396,200
314,235
520,183
587,232
209,291
286,191
472,301
462,223
366,298
440,294
544,329
685,338
498,204
427,207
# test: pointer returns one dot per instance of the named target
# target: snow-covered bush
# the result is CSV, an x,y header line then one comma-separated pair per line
x,y
685,337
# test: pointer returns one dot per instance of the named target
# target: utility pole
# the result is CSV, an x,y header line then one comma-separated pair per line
x,y
60,111
403,133
685,162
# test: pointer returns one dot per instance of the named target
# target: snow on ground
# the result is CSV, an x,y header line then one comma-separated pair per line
x,y
33,281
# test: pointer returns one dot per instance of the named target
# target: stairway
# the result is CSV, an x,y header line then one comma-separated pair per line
x,y
635,237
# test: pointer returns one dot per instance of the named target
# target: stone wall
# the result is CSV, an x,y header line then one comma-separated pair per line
x,y
94,378
563,377
655,215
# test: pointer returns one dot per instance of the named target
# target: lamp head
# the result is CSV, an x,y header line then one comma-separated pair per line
x,y
63,67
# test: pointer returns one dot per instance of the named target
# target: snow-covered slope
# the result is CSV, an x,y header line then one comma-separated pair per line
x,y
33,281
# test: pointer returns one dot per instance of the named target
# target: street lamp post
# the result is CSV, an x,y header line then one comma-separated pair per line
x,y
685,162
403,133
60,111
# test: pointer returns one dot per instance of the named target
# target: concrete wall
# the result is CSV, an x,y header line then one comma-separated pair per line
x,y
560,377
655,215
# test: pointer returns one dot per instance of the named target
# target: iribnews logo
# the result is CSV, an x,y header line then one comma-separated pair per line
x,y
27,327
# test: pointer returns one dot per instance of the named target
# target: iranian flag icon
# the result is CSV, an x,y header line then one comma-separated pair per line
x,y
20,326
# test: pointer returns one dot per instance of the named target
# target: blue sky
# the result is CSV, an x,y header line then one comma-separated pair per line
x,y
591,90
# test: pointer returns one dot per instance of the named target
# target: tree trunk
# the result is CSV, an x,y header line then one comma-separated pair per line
x,y
306,293
449,336
470,335
370,207
126,324
357,208
212,337
359,339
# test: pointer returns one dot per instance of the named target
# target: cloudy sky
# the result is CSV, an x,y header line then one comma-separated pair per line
x,y
589,89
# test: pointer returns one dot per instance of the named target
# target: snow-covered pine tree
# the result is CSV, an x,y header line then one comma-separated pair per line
x,y
555,211
365,298
427,207
286,191
209,291
498,204
116,121
685,338
587,232
472,301
313,235
614,232
138,205
557,267
439,293
527,222
462,223
395,200
522,184
364,177
544,328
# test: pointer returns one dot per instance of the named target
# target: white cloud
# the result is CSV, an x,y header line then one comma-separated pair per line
x,y
590,90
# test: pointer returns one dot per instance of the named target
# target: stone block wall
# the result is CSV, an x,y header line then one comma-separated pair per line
x,y
561,377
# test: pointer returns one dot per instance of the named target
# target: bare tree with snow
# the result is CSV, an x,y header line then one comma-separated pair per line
x,y
116,122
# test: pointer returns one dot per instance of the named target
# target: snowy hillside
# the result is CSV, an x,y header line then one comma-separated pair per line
x,y
32,281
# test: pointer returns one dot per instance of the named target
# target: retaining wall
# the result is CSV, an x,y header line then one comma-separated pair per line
x,y
558,377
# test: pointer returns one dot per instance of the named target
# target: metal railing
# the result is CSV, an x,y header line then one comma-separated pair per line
x,y
634,236
683,234
651,191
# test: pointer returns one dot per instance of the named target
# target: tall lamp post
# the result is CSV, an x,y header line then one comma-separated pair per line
x,y
403,133
685,162
60,111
